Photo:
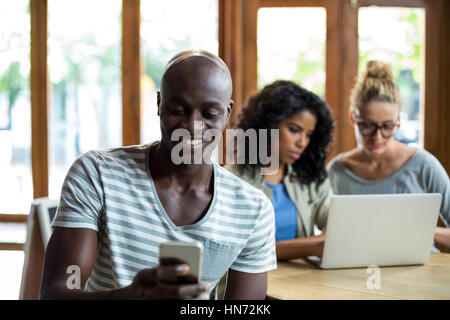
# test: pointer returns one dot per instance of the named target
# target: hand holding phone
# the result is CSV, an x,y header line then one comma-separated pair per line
x,y
190,253
176,277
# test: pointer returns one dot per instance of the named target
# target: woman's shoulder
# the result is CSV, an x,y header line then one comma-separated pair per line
x,y
337,164
314,190
322,187
423,155
237,169
244,172
425,160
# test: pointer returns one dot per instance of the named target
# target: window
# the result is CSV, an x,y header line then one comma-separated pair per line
x,y
167,28
10,274
16,187
398,39
84,68
291,46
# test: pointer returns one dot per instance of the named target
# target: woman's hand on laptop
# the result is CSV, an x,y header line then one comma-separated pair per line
x,y
442,236
300,247
318,246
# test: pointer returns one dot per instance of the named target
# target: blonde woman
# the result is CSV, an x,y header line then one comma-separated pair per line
x,y
381,164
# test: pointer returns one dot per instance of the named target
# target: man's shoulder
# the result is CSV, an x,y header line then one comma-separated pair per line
x,y
241,188
128,160
115,154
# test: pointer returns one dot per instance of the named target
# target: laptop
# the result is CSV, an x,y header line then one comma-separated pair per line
x,y
381,230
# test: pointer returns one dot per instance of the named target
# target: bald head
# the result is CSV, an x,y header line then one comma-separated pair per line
x,y
200,64
189,54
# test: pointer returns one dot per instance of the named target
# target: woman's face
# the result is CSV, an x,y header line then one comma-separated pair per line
x,y
375,126
295,134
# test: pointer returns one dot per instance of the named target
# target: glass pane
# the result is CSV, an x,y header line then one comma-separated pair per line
x,y
10,274
291,46
396,36
167,28
84,47
16,185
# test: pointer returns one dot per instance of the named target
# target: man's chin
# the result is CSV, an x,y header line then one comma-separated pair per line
x,y
192,154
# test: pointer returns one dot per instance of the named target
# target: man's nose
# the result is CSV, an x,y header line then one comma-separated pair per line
x,y
194,124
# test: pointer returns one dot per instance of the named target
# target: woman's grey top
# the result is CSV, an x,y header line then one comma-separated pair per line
x,y
423,173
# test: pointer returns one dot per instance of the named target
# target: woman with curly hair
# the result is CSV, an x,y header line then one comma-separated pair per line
x,y
299,189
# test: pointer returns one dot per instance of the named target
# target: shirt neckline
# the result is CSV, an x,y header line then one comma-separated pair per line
x,y
162,211
366,181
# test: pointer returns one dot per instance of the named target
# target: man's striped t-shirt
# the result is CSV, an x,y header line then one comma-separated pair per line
x,y
112,192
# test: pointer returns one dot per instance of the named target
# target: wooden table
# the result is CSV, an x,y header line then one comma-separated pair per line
x,y
300,280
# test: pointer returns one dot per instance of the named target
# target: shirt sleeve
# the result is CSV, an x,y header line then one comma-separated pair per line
x,y
81,196
333,174
438,182
259,254
322,204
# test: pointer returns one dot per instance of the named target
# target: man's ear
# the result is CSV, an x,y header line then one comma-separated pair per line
x,y
230,108
158,101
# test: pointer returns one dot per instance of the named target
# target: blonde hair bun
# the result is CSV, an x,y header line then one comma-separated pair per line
x,y
376,83
379,70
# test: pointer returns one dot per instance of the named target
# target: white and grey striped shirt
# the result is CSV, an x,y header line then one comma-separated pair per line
x,y
112,192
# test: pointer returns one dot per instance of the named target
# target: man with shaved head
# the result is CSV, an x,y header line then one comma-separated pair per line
x,y
118,205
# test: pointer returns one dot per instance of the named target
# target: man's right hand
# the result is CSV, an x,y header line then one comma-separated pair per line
x,y
169,280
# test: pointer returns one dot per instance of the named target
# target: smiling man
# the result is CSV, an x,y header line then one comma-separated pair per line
x,y
179,93
118,205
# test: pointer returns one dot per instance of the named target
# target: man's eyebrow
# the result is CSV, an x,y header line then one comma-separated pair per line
x,y
178,100
213,104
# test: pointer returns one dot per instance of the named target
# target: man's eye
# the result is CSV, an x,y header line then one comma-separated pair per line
x,y
211,115
388,126
177,111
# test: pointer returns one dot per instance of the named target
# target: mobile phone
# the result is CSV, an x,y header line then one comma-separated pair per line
x,y
189,252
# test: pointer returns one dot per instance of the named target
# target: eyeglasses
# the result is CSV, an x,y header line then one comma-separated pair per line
x,y
370,129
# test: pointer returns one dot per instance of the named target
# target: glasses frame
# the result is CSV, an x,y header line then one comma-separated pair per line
x,y
376,127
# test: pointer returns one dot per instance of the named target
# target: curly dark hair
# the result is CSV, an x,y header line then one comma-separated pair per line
x,y
283,99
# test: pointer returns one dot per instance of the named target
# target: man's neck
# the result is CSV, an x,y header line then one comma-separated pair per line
x,y
184,175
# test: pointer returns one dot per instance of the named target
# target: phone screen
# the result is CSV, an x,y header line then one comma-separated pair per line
x,y
189,252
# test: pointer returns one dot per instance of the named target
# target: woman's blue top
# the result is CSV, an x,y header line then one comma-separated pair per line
x,y
285,213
